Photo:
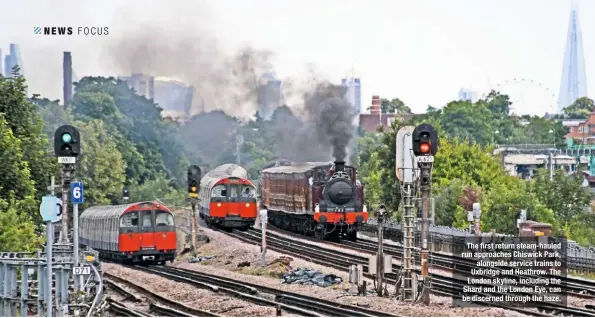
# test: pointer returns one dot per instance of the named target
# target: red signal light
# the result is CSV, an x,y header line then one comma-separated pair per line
x,y
424,147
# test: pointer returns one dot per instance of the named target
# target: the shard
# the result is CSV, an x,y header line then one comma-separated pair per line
x,y
574,77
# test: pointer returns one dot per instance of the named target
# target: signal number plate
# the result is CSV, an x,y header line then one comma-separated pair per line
x,y
69,160
425,159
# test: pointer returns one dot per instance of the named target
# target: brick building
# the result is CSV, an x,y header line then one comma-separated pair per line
x,y
581,131
369,122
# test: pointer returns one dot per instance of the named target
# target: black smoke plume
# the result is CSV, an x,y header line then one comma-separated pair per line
x,y
332,117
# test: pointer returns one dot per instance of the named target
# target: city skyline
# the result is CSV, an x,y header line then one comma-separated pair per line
x,y
430,48
11,59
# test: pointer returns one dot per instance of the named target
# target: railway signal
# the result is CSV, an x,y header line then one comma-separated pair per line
x,y
425,147
194,177
425,140
67,147
193,180
125,193
67,143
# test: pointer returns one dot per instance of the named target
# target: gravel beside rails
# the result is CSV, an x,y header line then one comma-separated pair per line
x,y
191,296
142,306
229,252
352,252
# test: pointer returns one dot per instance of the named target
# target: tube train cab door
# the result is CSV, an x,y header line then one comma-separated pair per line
x,y
242,199
130,236
147,240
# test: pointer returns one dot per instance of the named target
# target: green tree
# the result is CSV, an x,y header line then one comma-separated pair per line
x,y
158,188
23,120
580,109
564,194
102,167
503,203
14,171
17,229
149,143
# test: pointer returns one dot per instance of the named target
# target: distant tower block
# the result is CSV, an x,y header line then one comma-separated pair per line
x,y
574,77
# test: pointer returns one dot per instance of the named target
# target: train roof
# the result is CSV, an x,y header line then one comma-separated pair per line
x,y
221,172
111,210
300,167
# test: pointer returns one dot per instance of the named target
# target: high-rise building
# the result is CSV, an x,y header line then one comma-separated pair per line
x,y
269,95
574,77
173,96
467,95
144,85
12,59
354,92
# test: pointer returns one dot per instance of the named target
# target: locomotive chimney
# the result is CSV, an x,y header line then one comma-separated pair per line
x,y
339,166
67,78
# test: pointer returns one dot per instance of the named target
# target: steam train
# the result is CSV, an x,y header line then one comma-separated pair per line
x,y
320,198
142,232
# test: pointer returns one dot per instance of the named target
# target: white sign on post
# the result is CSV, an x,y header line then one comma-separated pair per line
x,y
404,161
425,159
81,270
67,160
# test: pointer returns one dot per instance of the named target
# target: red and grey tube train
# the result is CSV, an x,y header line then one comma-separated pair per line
x,y
321,198
142,232
228,198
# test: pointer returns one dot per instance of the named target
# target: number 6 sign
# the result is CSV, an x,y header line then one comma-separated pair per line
x,y
76,192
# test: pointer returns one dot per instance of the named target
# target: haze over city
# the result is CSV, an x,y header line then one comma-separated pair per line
x,y
422,52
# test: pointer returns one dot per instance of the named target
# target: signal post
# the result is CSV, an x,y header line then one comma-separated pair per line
x,y
67,147
405,173
425,146
194,176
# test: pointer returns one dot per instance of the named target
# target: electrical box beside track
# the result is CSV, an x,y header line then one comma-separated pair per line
x,y
388,264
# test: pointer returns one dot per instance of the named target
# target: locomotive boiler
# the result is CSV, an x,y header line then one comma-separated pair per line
x,y
320,198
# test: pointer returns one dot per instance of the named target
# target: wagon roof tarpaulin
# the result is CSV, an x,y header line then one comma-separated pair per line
x,y
297,167
221,172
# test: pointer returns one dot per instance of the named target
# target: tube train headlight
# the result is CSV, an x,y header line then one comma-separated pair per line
x,y
317,208
365,208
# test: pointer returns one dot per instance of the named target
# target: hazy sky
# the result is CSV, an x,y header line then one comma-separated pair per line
x,y
421,51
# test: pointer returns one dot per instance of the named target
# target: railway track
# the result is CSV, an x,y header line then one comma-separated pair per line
x,y
122,311
578,288
441,285
291,302
173,309
574,287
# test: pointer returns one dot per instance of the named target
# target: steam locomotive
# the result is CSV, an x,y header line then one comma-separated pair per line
x,y
320,198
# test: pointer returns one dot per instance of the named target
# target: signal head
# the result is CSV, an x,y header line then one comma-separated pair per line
x,y
425,140
67,142
67,138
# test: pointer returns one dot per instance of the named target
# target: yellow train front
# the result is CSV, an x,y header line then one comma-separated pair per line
x,y
323,199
